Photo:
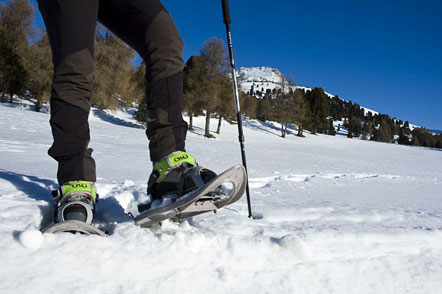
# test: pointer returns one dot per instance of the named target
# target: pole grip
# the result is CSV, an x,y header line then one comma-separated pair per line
x,y
226,11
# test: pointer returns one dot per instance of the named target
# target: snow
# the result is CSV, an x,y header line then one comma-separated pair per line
x,y
263,77
333,215
31,238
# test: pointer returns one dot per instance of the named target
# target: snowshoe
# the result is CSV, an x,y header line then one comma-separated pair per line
x,y
209,193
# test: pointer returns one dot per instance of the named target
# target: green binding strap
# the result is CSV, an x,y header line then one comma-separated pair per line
x,y
172,161
79,187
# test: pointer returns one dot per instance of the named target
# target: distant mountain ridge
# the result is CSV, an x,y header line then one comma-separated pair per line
x,y
265,77
262,78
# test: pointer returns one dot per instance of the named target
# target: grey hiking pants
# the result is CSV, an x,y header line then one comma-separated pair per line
x,y
147,27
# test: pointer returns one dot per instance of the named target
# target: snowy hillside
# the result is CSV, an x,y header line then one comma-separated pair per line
x,y
334,215
264,78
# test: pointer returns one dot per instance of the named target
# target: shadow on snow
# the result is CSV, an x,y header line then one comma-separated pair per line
x,y
114,120
267,126
108,209
34,188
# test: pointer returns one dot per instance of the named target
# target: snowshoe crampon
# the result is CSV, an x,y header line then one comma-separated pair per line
x,y
212,192
73,226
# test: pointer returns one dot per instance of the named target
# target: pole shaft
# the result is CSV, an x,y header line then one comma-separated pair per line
x,y
226,16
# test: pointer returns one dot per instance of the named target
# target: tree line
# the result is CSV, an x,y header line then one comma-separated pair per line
x,y
309,110
380,127
315,111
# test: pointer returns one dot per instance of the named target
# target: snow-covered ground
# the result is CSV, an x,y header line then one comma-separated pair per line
x,y
334,215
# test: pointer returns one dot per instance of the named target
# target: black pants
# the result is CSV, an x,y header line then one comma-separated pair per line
x,y
147,27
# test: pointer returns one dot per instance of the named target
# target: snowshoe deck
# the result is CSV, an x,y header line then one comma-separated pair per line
x,y
195,203
207,204
73,226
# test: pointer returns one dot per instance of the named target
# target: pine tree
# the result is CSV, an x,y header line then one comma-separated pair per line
x,y
331,129
252,90
12,73
403,137
407,128
264,109
195,88
355,127
249,105
139,81
320,109
226,106
281,107
396,126
215,65
337,108
423,137
439,141
41,71
285,106
16,18
366,131
301,111
113,72
350,129
415,141
385,134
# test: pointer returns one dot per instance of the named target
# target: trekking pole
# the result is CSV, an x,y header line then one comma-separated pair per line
x,y
226,16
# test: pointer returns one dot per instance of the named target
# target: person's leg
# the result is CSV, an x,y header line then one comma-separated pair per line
x,y
148,28
71,28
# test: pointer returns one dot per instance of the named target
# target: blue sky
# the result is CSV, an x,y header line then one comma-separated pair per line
x,y
385,55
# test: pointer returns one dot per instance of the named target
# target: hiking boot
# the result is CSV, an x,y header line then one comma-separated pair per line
x,y
75,200
174,176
